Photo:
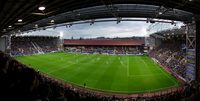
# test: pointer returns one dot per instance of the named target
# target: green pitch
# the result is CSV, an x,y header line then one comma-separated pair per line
x,y
119,74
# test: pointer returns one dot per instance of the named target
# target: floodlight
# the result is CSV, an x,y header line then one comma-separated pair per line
x,y
41,8
160,13
52,21
61,34
19,20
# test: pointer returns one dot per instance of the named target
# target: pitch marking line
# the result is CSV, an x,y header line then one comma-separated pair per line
x,y
115,91
143,62
127,66
168,76
145,75
50,72
64,66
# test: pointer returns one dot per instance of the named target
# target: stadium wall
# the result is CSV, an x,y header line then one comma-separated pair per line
x,y
153,42
197,50
158,41
2,44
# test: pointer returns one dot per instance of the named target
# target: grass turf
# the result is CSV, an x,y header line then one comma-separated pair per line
x,y
108,73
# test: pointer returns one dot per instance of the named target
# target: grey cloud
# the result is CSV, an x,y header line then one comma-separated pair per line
x,y
102,29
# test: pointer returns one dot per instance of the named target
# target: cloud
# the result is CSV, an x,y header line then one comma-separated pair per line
x,y
103,29
107,29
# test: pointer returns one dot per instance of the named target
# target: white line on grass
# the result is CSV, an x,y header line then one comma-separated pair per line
x,y
134,91
146,75
127,66
143,62
163,73
114,91
168,76
122,63
66,66
60,68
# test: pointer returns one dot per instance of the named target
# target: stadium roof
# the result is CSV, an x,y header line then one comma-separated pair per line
x,y
24,15
87,42
164,34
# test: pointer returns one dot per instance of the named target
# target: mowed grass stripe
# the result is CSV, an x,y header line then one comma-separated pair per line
x,y
104,72
75,67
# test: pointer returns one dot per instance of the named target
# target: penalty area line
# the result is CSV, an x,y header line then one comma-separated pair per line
x,y
127,66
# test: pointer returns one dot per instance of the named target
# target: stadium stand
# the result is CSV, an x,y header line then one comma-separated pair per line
x,y
28,45
105,46
171,54
21,83
36,86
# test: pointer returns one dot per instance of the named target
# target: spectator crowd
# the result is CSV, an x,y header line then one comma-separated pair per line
x,y
170,54
28,45
105,49
21,83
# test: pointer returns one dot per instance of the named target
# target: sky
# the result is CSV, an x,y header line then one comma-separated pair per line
x,y
104,29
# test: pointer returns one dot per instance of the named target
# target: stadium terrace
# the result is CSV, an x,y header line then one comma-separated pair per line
x,y
104,42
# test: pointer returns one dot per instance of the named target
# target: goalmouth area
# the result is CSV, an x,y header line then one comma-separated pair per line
x,y
126,74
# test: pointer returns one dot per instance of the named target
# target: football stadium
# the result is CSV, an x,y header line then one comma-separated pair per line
x,y
99,50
